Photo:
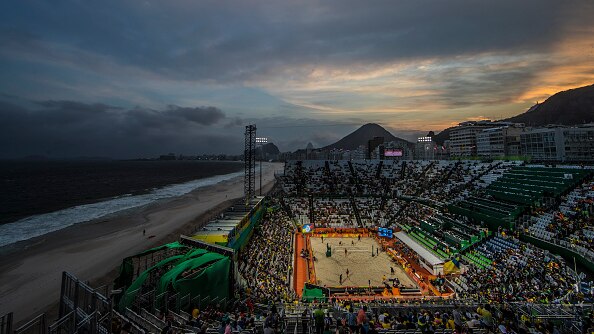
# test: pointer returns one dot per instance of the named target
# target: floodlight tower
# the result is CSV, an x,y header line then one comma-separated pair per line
x,y
260,141
249,181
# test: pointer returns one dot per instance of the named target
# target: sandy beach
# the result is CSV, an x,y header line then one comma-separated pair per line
x,y
30,271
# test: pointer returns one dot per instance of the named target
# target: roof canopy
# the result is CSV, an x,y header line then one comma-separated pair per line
x,y
422,251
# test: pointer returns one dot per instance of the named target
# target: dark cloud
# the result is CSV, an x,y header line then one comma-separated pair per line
x,y
235,122
199,115
294,59
176,116
69,128
222,41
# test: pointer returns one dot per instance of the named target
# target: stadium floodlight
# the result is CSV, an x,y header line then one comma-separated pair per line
x,y
260,141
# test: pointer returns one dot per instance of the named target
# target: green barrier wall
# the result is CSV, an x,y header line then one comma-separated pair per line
x,y
567,254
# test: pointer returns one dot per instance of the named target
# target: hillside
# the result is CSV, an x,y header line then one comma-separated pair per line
x,y
570,107
362,135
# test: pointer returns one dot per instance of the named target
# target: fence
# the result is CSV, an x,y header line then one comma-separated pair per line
x,y
82,308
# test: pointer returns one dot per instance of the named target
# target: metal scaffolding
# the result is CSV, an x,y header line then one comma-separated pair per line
x,y
249,182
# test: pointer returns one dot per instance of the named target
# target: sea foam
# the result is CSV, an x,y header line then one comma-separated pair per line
x,y
37,225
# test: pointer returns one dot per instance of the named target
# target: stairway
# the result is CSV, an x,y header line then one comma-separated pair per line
x,y
312,216
356,212
354,179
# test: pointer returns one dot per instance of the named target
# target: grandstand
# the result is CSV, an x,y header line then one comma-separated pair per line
x,y
517,190
466,240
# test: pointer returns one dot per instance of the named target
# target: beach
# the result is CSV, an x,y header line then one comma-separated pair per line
x,y
30,271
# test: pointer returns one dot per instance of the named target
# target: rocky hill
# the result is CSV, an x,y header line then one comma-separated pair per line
x,y
362,135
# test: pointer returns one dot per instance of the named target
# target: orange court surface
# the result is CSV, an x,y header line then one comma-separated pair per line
x,y
358,260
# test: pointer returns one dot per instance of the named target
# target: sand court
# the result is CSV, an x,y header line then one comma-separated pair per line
x,y
358,260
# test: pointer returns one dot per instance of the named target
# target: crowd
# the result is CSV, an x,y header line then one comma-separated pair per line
x,y
343,318
441,182
517,272
571,222
299,207
371,211
265,264
501,269
376,317
402,194
334,213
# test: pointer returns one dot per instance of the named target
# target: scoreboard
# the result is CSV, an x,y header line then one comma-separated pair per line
x,y
385,232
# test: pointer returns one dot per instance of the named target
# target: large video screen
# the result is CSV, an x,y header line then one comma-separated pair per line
x,y
385,232
393,153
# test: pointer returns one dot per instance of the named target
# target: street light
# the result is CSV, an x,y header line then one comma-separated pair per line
x,y
261,141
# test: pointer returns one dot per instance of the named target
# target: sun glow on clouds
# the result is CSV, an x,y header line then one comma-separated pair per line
x,y
405,64
572,66
438,91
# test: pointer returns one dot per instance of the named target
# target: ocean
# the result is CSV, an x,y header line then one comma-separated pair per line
x,y
41,197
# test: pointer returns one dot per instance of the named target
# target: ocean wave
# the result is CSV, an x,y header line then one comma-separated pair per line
x,y
38,225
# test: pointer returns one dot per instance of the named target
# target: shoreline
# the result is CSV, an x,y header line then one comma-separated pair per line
x,y
134,188
28,227
30,271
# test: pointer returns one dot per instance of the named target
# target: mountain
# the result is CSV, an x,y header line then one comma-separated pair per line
x,y
570,107
441,137
362,135
268,149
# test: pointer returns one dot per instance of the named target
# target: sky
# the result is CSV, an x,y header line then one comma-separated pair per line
x,y
129,79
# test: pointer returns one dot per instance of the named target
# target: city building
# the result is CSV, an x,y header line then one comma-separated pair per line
x,y
500,141
463,137
372,144
395,150
559,143
425,148
359,153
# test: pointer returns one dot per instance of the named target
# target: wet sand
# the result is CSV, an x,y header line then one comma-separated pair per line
x,y
30,271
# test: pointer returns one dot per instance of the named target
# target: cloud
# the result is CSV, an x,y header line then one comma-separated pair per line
x,y
63,128
411,63
70,128
198,115
224,41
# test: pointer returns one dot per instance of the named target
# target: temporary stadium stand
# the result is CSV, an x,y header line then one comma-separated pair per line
x,y
527,186
517,189
235,228
218,237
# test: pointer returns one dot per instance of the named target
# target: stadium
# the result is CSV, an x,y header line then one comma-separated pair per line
x,y
386,246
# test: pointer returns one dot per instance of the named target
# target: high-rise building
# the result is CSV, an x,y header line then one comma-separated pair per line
x,y
463,137
499,141
372,144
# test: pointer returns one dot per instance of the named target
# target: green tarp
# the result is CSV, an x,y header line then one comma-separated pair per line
x,y
133,289
209,276
127,267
